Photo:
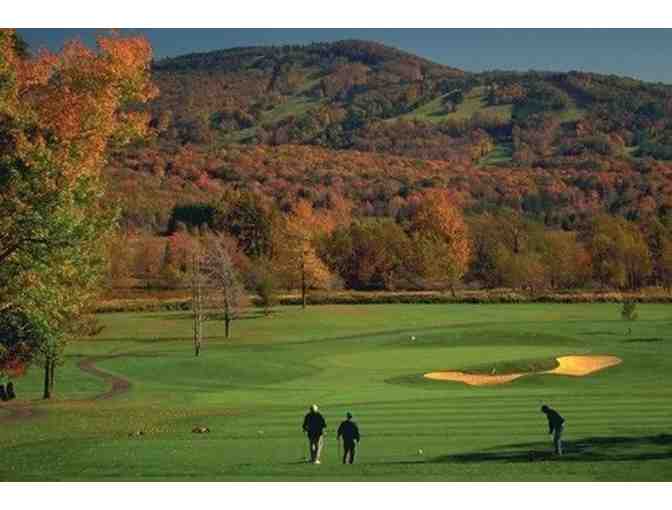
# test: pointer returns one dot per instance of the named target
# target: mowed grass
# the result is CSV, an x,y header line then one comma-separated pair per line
x,y
253,390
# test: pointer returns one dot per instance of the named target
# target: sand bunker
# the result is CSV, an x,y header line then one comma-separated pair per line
x,y
567,365
473,379
583,365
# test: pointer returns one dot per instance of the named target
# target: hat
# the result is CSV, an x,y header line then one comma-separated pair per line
x,y
348,415
313,408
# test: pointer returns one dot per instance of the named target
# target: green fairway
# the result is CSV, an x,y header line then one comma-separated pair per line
x,y
253,390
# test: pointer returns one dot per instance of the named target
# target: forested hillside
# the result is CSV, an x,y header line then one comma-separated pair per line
x,y
575,140
364,133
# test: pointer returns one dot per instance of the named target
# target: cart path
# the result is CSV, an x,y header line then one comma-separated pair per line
x,y
23,410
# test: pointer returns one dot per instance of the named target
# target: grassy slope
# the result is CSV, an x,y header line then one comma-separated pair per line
x,y
502,153
475,101
295,105
253,390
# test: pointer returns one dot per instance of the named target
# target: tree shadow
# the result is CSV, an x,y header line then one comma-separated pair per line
x,y
588,449
215,316
643,340
610,333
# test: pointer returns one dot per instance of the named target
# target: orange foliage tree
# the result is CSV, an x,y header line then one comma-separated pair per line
x,y
437,218
59,114
294,253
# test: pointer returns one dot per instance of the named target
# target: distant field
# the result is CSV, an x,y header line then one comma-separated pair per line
x,y
253,390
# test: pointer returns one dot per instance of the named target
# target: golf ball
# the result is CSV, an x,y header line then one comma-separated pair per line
x,y
412,338
420,452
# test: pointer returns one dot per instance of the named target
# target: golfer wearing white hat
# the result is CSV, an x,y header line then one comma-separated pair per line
x,y
313,426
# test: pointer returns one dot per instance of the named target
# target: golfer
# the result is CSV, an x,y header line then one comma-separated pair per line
x,y
313,426
349,431
555,427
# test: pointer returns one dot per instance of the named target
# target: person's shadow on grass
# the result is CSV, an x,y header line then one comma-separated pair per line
x,y
588,449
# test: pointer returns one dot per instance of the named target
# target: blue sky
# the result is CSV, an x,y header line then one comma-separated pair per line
x,y
641,53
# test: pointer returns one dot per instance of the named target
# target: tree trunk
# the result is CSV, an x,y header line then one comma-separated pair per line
x,y
47,379
227,326
52,378
197,303
303,288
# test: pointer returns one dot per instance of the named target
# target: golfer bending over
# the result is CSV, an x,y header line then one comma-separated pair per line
x,y
349,431
313,426
555,427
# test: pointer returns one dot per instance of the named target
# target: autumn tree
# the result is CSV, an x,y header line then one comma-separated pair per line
x,y
665,265
227,294
249,219
20,336
295,257
621,257
524,271
58,115
658,237
199,285
371,253
438,219
119,259
567,261
265,284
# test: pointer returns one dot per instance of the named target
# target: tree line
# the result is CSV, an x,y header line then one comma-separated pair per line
x,y
431,244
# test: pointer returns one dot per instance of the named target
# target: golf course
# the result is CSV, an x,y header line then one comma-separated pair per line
x,y
128,400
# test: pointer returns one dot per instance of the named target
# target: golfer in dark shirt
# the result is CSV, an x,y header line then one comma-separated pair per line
x,y
313,426
555,427
349,431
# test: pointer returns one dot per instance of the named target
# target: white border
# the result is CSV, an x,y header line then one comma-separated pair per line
x,y
335,496
337,14
352,14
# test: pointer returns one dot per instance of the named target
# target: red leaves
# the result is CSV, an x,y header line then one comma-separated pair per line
x,y
14,361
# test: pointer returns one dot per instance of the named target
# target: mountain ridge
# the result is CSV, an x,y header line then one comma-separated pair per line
x,y
582,142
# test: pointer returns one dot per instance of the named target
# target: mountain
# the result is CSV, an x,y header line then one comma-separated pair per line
x,y
573,142
366,96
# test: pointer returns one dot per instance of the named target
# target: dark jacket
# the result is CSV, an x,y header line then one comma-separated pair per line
x,y
554,420
314,424
349,431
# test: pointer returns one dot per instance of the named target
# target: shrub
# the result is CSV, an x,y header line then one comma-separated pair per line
x,y
629,311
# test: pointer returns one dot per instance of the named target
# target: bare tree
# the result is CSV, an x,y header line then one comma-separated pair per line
x,y
227,293
198,290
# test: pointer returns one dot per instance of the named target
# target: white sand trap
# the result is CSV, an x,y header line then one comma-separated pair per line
x,y
567,365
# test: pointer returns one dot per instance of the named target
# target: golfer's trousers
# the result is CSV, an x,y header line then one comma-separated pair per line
x,y
348,452
557,439
315,443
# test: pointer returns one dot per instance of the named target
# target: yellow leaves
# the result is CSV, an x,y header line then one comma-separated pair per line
x,y
61,111
305,223
295,257
76,100
316,272
36,71
129,60
437,214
